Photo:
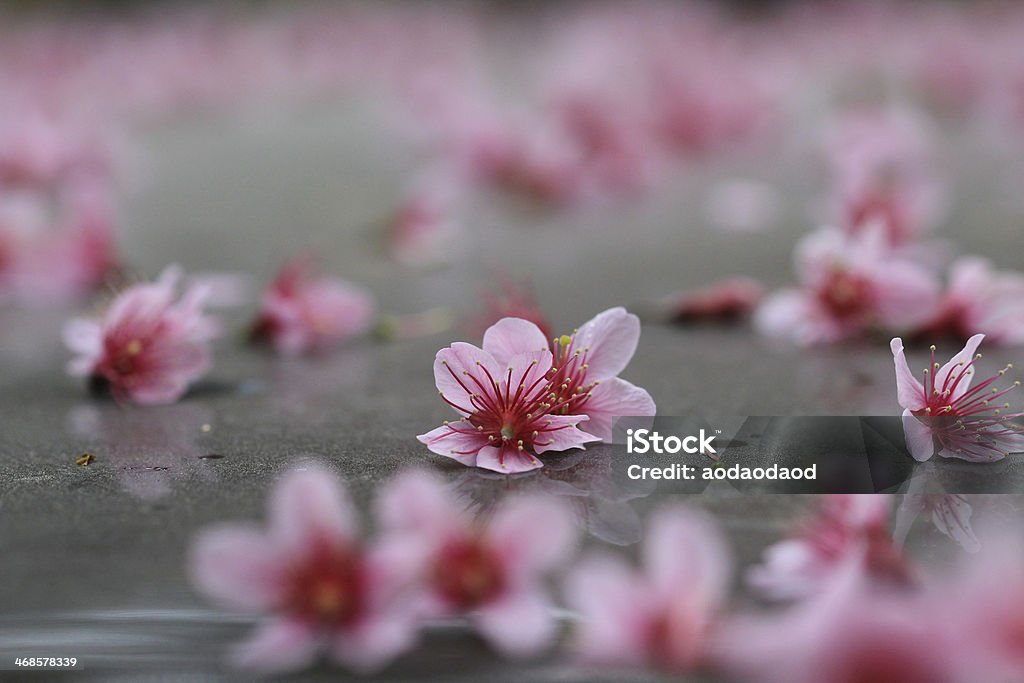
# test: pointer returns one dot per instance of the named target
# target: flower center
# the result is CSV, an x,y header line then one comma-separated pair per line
x,y
327,589
468,574
845,294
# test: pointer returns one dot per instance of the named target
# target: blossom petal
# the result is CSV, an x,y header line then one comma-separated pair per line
x,y
416,501
560,433
612,337
507,460
458,374
511,337
956,366
514,533
458,445
375,643
238,566
309,504
278,647
520,624
611,399
919,437
909,391
685,548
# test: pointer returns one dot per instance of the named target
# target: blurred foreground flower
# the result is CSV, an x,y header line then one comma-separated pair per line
x,y
490,571
518,399
664,616
303,312
148,346
844,527
849,285
324,589
945,416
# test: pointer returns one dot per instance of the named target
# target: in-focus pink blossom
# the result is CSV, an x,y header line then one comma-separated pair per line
x,y
507,397
843,527
322,589
856,631
304,312
149,345
948,417
981,299
725,300
492,572
664,615
883,172
519,399
849,285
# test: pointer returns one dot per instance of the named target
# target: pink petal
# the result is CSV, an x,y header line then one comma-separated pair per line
x,y
463,448
684,548
520,624
956,365
511,337
919,437
83,337
238,566
419,502
514,532
909,391
908,295
611,399
458,373
612,337
615,610
375,643
309,504
507,460
561,433
277,647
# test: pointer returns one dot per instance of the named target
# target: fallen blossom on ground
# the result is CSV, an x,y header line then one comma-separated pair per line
x,y
149,345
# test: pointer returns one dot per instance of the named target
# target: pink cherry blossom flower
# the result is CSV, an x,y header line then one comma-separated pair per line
x,y
948,417
490,572
981,299
883,173
322,588
541,401
303,312
854,632
147,347
849,285
844,526
510,298
664,615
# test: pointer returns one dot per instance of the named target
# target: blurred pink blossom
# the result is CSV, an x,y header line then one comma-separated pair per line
x,y
725,300
148,346
322,587
948,417
491,572
855,631
664,615
843,527
303,312
981,299
849,285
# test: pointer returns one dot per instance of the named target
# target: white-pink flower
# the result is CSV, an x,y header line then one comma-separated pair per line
x,y
849,285
946,416
322,589
517,399
149,345
843,527
303,312
664,615
490,571
980,298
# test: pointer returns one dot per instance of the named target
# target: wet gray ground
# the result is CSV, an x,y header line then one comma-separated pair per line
x,y
92,558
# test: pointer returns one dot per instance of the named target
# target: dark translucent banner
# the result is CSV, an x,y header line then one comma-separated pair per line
x,y
819,454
